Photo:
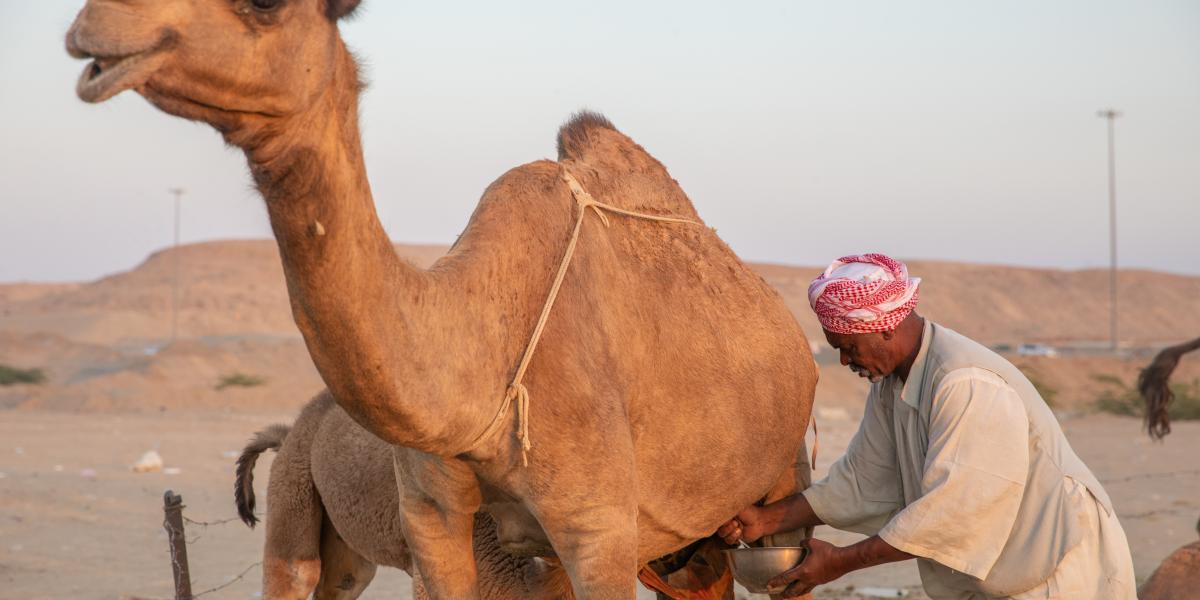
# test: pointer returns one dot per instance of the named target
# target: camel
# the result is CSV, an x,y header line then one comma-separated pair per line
x,y
1154,384
671,387
1179,575
333,515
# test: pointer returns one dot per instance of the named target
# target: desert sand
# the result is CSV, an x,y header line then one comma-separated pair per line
x,y
76,522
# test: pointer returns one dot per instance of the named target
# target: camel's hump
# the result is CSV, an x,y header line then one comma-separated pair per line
x,y
577,135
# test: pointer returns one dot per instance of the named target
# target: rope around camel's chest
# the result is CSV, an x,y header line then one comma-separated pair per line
x,y
517,392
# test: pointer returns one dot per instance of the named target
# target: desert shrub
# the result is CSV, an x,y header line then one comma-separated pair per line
x,y
1047,392
12,375
1121,399
240,380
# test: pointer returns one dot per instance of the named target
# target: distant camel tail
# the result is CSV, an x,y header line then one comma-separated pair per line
x,y
1154,385
270,438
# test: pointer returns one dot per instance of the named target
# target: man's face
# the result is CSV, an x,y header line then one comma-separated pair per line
x,y
870,355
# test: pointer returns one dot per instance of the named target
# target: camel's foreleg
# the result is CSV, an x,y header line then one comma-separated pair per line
x,y
593,528
597,544
438,501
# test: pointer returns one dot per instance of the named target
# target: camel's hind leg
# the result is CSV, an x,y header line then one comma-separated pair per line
x,y
791,483
345,574
291,557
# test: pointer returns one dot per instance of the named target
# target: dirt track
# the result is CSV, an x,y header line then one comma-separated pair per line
x,y
65,533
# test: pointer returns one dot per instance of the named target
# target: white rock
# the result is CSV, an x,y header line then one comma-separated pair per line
x,y
172,471
148,463
89,473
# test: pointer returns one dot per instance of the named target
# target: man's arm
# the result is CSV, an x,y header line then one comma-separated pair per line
x,y
788,514
827,562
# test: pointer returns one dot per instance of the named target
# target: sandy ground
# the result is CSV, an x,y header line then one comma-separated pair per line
x,y
75,522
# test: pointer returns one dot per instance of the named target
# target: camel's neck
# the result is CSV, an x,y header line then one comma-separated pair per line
x,y
364,313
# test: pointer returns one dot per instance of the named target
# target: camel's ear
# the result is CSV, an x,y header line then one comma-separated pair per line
x,y
337,9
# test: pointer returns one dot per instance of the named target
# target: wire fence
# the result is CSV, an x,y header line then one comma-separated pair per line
x,y
173,523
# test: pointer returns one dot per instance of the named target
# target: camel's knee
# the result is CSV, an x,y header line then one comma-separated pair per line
x,y
290,579
605,571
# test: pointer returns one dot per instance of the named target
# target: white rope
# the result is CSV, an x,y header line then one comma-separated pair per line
x,y
517,392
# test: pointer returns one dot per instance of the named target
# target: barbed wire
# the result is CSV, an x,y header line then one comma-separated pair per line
x,y
204,524
230,582
236,579
214,523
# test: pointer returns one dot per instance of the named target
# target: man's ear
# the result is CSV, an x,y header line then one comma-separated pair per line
x,y
888,335
337,9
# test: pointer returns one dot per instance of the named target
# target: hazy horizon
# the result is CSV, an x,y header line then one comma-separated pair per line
x,y
801,131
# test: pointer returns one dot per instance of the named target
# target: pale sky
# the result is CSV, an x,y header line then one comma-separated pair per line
x,y
948,130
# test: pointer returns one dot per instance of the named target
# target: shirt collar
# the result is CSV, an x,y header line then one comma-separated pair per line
x,y
911,393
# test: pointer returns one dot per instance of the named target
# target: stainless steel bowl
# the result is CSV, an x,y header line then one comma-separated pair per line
x,y
754,567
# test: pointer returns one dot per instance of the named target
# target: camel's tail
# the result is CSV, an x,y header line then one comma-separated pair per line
x,y
1154,383
270,438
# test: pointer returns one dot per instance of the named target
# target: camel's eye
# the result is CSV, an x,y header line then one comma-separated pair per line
x,y
266,5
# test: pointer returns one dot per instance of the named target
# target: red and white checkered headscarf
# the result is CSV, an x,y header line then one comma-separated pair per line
x,y
863,294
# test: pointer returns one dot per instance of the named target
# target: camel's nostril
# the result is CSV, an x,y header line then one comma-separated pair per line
x,y
95,71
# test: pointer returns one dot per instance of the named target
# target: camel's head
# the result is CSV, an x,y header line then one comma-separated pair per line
x,y
219,61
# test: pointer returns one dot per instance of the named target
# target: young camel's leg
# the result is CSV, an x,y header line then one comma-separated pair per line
x,y
291,557
438,501
345,574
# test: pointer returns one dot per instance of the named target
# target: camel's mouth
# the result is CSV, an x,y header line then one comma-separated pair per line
x,y
107,76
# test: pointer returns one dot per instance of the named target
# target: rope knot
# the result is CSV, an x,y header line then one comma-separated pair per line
x,y
520,394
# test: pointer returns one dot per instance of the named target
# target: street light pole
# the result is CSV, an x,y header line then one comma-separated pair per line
x,y
1111,116
178,193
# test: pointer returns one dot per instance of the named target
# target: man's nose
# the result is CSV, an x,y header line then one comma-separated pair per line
x,y
845,359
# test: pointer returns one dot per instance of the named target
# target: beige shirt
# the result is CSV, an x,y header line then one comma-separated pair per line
x,y
965,467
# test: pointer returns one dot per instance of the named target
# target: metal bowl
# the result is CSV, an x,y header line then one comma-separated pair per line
x,y
754,567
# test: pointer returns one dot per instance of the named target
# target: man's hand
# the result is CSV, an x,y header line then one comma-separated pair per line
x,y
748,525
824,563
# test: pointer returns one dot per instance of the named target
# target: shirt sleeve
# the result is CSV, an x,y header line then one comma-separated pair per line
x,y
862,490
974,475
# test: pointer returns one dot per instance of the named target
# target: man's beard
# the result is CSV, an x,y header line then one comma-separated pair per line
x,y
863,372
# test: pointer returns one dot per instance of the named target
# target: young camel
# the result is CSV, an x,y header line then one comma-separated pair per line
x,y
672,386
333,516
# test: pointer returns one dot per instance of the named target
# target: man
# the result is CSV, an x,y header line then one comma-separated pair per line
x,y
958,462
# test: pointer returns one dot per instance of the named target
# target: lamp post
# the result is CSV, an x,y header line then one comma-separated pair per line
x,y
1111,115
178,193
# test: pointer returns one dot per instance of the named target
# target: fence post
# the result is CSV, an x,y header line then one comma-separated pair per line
x,y
173,523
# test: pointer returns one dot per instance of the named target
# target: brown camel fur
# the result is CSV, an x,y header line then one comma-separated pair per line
x,y
672,386
1154,383
1177,577
333,516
